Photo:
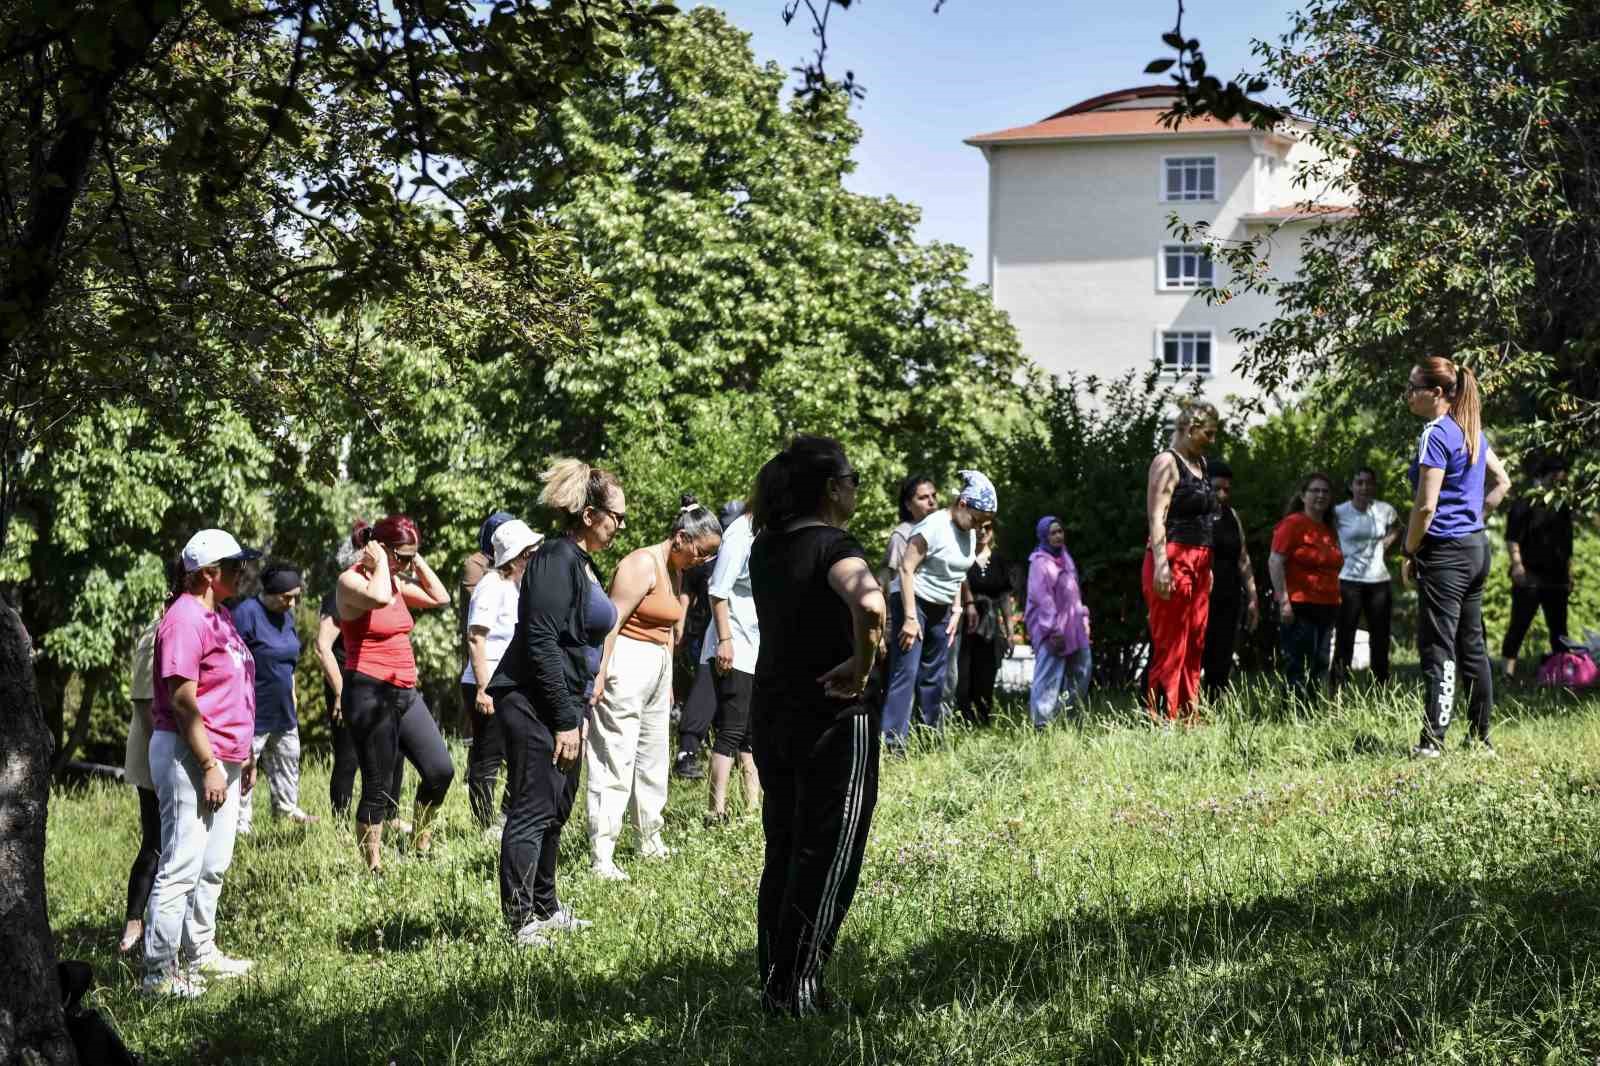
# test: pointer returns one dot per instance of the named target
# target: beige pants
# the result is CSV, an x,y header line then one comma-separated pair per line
x,y
627,754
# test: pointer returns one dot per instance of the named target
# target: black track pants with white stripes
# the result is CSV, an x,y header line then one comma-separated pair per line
x,y
819,770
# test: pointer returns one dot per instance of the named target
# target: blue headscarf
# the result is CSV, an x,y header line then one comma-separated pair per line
x,y
977,491
1042,531
486,531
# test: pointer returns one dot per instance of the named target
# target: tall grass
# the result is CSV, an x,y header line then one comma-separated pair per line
x,y
1277,886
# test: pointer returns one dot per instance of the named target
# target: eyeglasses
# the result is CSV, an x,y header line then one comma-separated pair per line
x,y
1412,386
853,478
289,599
619,517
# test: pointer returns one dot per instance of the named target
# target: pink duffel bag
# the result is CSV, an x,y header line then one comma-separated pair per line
x,y
1569,669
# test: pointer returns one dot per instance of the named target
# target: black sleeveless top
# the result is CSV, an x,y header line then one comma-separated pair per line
x,y
1193,510
1227,583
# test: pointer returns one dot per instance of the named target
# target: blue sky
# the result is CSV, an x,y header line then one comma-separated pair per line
x,y
982,65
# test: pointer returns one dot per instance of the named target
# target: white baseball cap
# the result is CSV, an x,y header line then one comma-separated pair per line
x,y
212,546
511,539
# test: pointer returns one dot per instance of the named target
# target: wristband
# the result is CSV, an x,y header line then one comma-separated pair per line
x,y
724,640
205,767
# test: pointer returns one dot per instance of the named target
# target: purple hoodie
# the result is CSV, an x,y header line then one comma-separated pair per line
x,y
1055,604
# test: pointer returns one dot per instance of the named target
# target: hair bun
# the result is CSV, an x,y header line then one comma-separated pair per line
x,y
687,502
360,533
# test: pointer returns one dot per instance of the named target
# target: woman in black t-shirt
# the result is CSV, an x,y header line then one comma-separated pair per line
x,y
987,641
816,734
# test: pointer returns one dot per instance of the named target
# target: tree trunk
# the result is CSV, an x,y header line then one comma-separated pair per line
x,y
32,1028
87,691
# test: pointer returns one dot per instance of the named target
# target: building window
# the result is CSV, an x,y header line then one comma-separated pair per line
x,y
1185,352
1190,178
1185,266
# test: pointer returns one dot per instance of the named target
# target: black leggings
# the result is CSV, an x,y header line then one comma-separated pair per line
x,y
978,668
484,759
386,722
1526,600
347,761
143,874
1375,599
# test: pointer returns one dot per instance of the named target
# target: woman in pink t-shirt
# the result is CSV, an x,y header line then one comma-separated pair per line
x,y
203,719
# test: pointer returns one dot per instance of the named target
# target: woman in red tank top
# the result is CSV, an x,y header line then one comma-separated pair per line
x,y
628,756
384,711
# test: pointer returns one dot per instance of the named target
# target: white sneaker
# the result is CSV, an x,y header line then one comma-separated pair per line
x,y
219,965
532,936
563,921
656,850
173,984
609,871
494,833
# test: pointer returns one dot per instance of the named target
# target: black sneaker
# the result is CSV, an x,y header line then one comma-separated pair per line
x,y
687,767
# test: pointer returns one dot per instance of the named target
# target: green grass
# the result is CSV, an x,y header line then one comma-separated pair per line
x,y
1259,890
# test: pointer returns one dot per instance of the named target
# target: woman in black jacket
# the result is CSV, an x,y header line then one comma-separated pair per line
x,y
544,685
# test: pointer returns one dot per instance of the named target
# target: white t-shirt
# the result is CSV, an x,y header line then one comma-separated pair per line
x,y
136,753
950,555
730,580
1361,536
494,607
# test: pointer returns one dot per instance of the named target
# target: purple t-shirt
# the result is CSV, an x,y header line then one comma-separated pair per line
x,y
1443,446
203,646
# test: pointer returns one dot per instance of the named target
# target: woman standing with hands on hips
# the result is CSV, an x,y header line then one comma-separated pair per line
x,y
926,605
542,688
816,737
1180,508
384,710
629,752
1457,480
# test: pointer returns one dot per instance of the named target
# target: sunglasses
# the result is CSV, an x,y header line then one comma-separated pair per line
x,y
619,517
1412,386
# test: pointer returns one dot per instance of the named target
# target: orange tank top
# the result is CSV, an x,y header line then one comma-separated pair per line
x,y
378,643
658,612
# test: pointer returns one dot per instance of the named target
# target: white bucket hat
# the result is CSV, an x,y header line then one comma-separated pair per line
x,y
511,539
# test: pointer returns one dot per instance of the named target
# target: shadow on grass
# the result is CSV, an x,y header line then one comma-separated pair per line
x,y
1344,967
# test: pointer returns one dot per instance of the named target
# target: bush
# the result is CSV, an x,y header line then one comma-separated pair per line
x,y
1085,460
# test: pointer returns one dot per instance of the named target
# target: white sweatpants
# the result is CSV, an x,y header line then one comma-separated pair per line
x,y
278,765
627,756
196,850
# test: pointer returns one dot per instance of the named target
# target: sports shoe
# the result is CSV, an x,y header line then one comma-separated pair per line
x,y
219,965
299,817
687,767
172,984
715,819
532,936
1426,751
494,833
609,871
562,921
657,852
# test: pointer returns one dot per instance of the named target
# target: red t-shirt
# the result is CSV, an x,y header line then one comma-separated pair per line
x,y
378,643
1311,559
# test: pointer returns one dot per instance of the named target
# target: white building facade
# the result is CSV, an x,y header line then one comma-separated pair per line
x,y
1080,253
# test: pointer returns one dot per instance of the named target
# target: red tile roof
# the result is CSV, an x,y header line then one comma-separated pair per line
x,y
1132,112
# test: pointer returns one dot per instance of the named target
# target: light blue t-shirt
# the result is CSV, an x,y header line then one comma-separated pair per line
x,y
951,552
1443,446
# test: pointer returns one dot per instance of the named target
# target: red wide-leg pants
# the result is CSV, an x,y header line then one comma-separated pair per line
x,y
1177,629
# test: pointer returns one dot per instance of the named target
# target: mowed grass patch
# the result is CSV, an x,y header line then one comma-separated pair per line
x,y
1272,887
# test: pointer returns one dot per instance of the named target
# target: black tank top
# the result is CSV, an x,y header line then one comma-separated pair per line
x,y
1193,509
1226,543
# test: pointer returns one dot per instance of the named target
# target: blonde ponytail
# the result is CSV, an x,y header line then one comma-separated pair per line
x,y
570,485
